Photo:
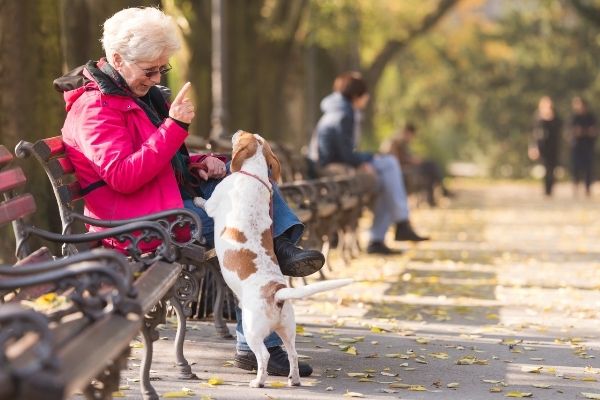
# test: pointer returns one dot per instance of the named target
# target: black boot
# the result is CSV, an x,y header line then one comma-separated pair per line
x,y
295,261
381,248
404,231
278,362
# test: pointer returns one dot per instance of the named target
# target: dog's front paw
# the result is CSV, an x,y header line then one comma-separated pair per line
x,y
199,202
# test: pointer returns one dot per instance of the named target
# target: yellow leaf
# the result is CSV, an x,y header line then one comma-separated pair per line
x,y
594,396
177,395
118,394
376,329
541,385
351,350
357,374
299,329
518,394
589,379
441,356
510,341
353,394
397,385
277,384
215,380
492,316
532,370
453,385
496,389
421,340
417,388
206,397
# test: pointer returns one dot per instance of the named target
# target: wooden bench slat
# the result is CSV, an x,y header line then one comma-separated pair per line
x,y
69,192
5,156
50,147
59,167
304,215
11,178
155,282
77,369
326,210
17,207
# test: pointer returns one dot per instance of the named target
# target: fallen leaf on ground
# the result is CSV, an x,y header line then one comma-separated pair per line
x,y
353,394
594,396
215,380
518,394
532,370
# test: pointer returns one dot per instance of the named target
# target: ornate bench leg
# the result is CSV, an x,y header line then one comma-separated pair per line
x,y
185,370
184,291
220,287
149,335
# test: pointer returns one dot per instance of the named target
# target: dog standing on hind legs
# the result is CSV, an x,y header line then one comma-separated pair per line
x,y
241,209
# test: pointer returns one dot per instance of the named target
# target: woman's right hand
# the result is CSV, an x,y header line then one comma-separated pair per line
x,y
182,108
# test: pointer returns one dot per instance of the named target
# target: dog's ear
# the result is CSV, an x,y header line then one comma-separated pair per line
x,y
246,148
272,162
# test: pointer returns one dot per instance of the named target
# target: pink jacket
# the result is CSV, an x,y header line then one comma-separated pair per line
x,y
110,138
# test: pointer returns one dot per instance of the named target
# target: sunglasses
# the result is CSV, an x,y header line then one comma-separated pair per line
x,y
150,73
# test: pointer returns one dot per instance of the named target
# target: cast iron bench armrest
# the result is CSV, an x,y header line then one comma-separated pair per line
x,y
169,219
135,233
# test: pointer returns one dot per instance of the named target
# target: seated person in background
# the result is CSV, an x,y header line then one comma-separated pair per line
x,y
334,142
428,170
126,144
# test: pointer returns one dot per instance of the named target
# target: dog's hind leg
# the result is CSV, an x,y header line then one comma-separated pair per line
x,y
287,333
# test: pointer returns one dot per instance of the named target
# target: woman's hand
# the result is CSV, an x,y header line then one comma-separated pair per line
x,y
209,168
182,108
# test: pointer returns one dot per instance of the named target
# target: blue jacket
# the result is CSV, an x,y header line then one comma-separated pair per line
x,y
335,133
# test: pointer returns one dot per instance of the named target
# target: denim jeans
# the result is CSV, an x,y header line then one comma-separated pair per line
x,y
391,205
284,220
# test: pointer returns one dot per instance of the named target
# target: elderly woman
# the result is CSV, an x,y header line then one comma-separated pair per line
x,y
126,144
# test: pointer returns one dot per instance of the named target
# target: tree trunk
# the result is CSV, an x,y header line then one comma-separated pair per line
x,y
29,108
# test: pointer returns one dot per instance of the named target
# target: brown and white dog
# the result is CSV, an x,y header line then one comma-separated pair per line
x,y
240,208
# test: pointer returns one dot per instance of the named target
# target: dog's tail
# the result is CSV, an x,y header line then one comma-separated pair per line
x,y
309,290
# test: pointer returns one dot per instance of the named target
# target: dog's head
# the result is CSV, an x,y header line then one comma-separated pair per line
x,y
246,145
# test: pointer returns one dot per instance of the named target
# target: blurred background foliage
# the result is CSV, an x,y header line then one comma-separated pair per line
x,y
469,73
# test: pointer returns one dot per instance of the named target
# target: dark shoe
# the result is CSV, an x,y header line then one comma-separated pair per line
x,y
447,193
381,248
295,261
278,362
404,231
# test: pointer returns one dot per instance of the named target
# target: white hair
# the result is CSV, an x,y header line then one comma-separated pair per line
x,y
140,34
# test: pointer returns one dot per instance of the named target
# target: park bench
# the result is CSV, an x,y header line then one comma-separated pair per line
x,y
196,259
155,278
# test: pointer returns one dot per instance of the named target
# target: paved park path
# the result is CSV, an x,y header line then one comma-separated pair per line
x,y
503,302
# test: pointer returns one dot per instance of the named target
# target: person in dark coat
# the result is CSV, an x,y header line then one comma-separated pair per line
x,y
334,142
583,135
546,135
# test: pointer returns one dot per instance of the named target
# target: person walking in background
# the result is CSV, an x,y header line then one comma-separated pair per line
x,y
582,135
546,136
428,170
334,142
